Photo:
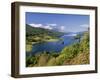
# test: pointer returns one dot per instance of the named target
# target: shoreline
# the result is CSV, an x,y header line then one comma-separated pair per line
x,y
29,46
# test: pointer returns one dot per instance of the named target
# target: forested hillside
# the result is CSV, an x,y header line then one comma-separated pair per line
x,y
33,31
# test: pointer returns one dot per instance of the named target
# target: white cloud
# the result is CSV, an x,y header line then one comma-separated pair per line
x,y
36,25
41,26
84,25
47,27
52,24
62,28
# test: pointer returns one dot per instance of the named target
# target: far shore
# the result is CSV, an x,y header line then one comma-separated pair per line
x,y
29,46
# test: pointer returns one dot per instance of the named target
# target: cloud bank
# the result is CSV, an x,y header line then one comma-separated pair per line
x,y
41,26
49,26
60,28
84,25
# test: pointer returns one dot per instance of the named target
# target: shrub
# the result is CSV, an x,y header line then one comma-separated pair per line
x,y
71,51
54,54
60,59
31,60
51,62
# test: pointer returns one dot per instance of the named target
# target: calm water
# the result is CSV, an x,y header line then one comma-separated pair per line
x,y
54,46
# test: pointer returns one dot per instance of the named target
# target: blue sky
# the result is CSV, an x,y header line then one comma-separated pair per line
x,y
61,22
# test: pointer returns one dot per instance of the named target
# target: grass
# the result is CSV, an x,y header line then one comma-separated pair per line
x,y
51,40
28,47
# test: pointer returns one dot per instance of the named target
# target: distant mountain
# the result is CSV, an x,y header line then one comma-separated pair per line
x,y
81,32
36,31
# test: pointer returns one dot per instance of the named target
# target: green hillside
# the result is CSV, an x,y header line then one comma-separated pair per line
x,y
36,35
33,31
